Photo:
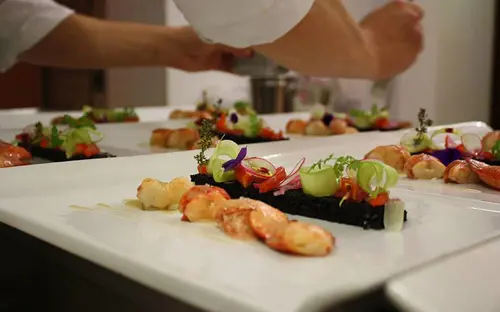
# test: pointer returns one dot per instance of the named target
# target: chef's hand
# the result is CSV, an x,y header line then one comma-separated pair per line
x,y
395,35
195,55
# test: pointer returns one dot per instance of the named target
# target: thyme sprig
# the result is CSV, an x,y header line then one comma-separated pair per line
x,y
424,123
339,167
343,163
321,163
206,135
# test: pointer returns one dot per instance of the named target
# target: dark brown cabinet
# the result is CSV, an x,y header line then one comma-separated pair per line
x,y
51,88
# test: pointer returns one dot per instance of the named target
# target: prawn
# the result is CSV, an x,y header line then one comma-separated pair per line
x,y
395,156
489,140
423,166
489,175
157,195
460,172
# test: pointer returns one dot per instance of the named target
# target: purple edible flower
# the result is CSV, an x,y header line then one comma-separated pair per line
x,y
447,155
233,163
233,117
327,118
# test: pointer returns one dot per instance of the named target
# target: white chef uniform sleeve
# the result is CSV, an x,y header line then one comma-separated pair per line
x,y
243,23
23,23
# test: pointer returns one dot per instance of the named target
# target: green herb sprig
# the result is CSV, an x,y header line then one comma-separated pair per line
x,y
55,138
206,136
495,150
321,163
343,163
82,122
424,123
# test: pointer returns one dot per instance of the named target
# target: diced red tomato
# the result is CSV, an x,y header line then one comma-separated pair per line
x,y
381,123
380,200
44,142
268,133
91,150
273,182
202,169
79,149
351,190
221,123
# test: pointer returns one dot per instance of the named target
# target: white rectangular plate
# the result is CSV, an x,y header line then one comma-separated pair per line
x,y
18,119
469,281
78,207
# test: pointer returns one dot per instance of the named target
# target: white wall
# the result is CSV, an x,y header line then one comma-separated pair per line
x,y
185,89
452,78
137,86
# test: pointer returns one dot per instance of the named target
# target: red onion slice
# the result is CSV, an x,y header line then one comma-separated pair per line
x,y
449,143
294,172
256,162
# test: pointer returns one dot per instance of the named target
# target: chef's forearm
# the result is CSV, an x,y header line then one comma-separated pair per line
x,y
83,42
327,42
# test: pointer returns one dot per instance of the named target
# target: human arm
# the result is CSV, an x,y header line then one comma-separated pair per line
x,y
315,37
45,33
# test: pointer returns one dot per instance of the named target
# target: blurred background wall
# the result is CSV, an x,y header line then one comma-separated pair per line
x,y
452,78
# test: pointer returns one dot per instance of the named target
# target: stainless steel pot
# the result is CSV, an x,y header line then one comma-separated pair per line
x,y
273,94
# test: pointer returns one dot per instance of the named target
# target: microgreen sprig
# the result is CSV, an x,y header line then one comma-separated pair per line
x,y
495,150
424,123
343,163
322,162
206,135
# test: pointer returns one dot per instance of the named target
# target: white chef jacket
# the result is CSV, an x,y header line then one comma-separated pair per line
x,y
243,23
237,23
25,22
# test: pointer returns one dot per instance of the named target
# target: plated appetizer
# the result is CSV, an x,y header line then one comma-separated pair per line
x,y
375,119
77,140
321,123
420,156
456,145
242,219
182,139
205,108
244,127
13,156
341,190
102,115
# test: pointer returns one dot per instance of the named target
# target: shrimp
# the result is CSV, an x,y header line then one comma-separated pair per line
x,y
423,166
338,126
12,156
317,127
296,126
460,172
182,138
201,203
489,175
159,137
351,130
302,239
395,156
157,195
489,140
247,218
177,114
